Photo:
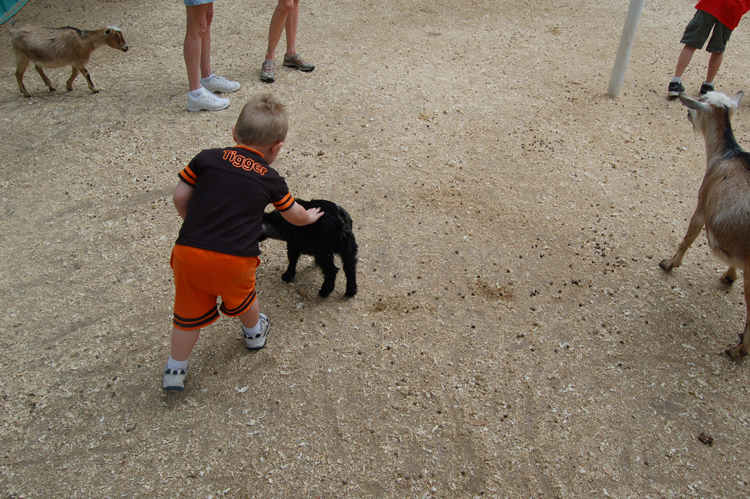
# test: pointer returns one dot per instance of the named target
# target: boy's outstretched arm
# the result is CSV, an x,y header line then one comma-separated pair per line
x,y
297,215
183,193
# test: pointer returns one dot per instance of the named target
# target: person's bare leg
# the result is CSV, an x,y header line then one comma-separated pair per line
x,y
197,26
278,21
250,318
714,63
253,328
292,20
686,55
206,44
183,343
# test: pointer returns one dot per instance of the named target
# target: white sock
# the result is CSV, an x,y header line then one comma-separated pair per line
x,y
707,83
176,365
678,79
251,331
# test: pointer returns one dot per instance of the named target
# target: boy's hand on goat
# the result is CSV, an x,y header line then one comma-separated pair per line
x,y
315,214
298,215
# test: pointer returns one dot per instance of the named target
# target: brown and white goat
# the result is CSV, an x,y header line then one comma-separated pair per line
x,y
58,47
723,198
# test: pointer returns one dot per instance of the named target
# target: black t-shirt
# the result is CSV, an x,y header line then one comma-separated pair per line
x,y
233,186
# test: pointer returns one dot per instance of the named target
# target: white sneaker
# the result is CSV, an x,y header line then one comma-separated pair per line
x,y
258,341
206,101
173,379
215,83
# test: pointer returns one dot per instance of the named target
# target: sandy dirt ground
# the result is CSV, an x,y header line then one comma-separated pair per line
x,y
513,335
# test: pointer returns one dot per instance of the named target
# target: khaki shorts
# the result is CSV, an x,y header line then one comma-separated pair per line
x,y
698,29
201,276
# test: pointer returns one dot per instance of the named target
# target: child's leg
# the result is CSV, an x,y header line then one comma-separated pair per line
x,y
235,277
255,334
683,60
716,47
182,343
714,63
173,375
250,318
195,302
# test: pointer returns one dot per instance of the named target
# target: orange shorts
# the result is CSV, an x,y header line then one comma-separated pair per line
x,y
200,276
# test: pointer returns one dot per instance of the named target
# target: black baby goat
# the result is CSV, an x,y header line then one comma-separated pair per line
x,y
330,235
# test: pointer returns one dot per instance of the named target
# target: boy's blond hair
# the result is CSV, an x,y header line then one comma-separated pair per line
x,y
262,121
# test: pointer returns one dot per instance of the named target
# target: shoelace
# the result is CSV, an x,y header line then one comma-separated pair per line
x,y
212,96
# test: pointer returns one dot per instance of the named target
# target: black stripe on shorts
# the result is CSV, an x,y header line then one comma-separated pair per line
x,y
201,321
243,305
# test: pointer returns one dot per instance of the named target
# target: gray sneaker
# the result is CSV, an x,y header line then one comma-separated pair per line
x,y
215,83
258,341
296,61
266,72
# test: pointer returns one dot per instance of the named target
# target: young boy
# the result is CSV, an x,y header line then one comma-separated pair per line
x,y
721,16
221,197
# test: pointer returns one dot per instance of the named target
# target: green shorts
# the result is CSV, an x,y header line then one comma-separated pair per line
x,y
698,29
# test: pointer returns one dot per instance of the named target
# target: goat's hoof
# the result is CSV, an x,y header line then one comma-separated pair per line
x,y
729,276
287,277
666,265
324,292
736,353
739,351
350,292
52,89
27,96
94,91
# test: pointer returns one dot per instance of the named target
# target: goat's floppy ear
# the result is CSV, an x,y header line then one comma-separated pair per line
x,y
692,103
737,98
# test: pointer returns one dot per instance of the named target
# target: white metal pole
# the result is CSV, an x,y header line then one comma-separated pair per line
x,y
626,44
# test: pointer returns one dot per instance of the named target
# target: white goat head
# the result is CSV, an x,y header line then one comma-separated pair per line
x,y
711,106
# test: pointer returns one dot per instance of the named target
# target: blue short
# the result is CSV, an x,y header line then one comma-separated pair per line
x,y
193,3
